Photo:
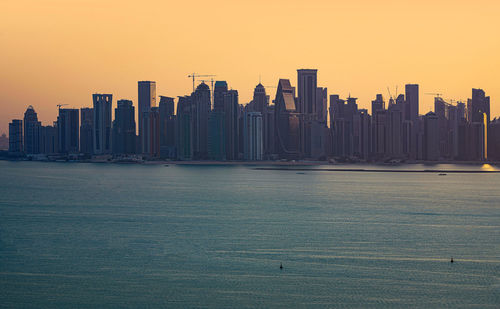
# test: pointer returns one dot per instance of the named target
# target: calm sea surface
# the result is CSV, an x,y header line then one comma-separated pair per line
x,y
79,235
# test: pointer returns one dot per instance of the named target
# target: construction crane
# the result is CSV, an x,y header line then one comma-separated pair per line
x,y
390,94
207,81
194,76
434,94
59,105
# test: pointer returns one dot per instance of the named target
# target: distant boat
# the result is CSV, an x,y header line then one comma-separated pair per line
x,y
281,266
442,174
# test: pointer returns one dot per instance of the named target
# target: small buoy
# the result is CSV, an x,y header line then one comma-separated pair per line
x,y
281,266
451,261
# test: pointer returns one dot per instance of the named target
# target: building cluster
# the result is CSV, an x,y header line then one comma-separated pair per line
x,y
211,124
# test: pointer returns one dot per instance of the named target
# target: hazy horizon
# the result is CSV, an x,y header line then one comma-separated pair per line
x,y
59,52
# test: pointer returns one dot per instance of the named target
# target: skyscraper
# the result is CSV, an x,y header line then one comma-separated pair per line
x,y
412,114
216,136
201,108
252,136
307,103
260,99
102,123
124,128
231,125
147,99
220,90
86,130
184,131
431,137
287,129
150,138
48,140
31,131
68,126
16,136
167,127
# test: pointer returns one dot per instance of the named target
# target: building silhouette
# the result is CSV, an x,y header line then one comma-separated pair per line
x,y
167,127
231,124
307,102
220,90
31,131
102,123
201,108
287,121
184,130
253,143
146,93
68,126
87,130
16,136
124,137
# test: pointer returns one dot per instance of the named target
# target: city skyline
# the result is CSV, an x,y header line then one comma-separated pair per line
x,y
57,54
211,124
387,94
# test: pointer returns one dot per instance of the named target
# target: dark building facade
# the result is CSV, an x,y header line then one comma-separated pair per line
x,y
68,127
86,130
124,137
102,123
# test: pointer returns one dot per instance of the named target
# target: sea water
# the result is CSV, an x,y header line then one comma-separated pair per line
x,y
75,235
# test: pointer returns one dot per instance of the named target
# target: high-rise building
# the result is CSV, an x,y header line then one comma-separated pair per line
x,y
184,131
48,140
124,128
86,130
412,114
494,140
395,114
252,136
479,116
167,127
341,125
231,125
440,110
307,103
31,131
361,134
102,123
322,104
4,142
287,123
431,137
68,126
220,90
150,139
260,99
216,136
147,99
16,136
201,108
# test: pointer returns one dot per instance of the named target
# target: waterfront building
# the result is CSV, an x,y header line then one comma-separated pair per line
x,y
124,137
16,136
68,126
167,127
31,131
287,121
87,130
146,93
252,136
102,123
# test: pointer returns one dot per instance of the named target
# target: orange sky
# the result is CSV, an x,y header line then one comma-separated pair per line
x,y
62,51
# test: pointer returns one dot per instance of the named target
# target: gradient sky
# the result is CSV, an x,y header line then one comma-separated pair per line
x,y
55,51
